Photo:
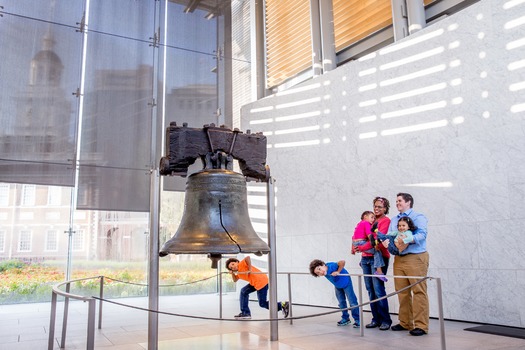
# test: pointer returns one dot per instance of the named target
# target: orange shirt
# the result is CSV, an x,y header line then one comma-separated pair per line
x,y
256,280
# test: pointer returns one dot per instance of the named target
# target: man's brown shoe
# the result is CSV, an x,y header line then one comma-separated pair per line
x,y
417,332
398,327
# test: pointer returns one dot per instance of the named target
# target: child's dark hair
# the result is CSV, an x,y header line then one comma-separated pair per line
x,y
365,213
229,261
409,222
314,264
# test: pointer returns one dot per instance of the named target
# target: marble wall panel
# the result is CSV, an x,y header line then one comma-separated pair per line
x,y
439,114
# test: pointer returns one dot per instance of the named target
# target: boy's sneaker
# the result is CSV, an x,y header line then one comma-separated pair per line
x,y
381,276
243,316
286,308
343,322
356,325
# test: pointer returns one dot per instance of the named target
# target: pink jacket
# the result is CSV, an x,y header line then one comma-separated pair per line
x,y
382,226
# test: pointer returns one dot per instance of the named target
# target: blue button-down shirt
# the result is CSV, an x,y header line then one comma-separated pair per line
x,y
420,235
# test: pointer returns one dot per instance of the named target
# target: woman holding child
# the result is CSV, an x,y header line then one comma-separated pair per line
x,y
374,285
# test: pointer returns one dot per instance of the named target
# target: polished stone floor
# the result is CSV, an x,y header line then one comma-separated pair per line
x,y
26,326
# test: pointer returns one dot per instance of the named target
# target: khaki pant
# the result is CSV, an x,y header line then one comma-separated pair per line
x,y
413,302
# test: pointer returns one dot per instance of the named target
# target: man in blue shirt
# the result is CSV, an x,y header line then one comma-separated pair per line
x,y
411,261
339,277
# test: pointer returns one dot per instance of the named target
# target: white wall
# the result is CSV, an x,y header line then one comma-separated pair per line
x,y
338,140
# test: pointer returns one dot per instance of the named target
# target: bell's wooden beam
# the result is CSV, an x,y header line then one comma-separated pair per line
x,y
184,145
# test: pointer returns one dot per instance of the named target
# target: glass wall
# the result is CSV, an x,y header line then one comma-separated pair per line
x,y
87,87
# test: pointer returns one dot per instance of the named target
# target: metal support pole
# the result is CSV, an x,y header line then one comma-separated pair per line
x,y
90,345
440,312
258,71
416,16
360,301
101,296
315,29
69,261
290,296
399,19
153,263
157,124
52,318
327,36
220,291
274,328
64,322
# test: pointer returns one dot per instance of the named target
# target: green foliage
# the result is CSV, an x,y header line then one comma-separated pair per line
x,y
22,283
11,264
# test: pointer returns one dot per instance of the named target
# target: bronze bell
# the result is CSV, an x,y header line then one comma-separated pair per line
x,y
215,219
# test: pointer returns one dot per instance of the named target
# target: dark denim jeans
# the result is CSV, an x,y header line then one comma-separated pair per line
x,y
347,293
376,289
261,297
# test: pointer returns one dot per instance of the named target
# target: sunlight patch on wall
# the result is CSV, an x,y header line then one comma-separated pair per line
x,y
261,121
414,110
514,23
367,57
516,65
409,43
298,130
368,119
415,92
367,72
458,120
510,4
418,74
261,214
367,87
444,184
515,27
261,109
298,103
457,100
368,103
414,58
515,44
299,89
298,116
414,128
518,108
454,63
297,144
517,86
368,135
250,188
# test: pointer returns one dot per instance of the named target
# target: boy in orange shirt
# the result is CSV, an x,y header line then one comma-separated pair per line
x,y
257,282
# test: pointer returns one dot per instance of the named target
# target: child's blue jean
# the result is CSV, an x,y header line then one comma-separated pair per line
x,y
378,257
347,293
391,245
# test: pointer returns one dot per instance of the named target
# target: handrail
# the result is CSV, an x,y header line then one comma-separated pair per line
x,y
92,304
74,296
361,303
91,313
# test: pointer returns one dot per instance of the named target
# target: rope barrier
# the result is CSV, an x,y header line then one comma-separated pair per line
x,y
165,285
265,319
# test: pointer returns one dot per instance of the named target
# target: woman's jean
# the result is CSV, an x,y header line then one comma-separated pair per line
x,y
347,293
376,289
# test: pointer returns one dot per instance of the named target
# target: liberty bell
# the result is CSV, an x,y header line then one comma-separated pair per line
x,y
215,219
